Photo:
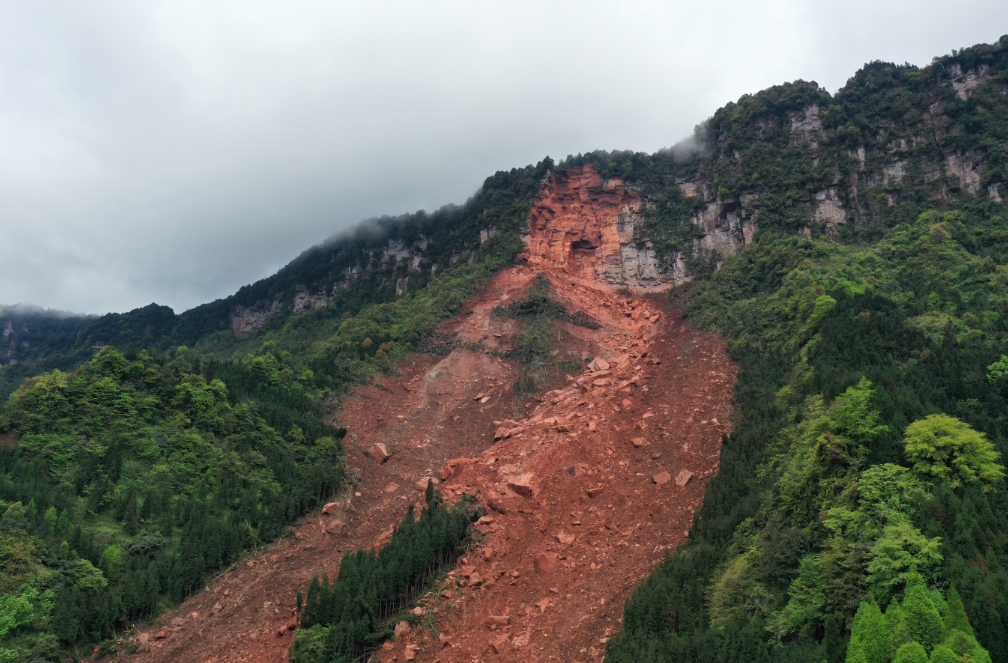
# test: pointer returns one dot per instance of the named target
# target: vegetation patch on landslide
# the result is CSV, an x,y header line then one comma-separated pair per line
x,y
350,617
535,346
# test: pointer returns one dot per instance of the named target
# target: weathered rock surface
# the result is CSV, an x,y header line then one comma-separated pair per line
x,y
379,452
522,484
586,226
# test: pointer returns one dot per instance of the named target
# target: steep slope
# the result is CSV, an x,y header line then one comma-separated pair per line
x,y
378,261
34,340
586,227
838,275
613,464
586,491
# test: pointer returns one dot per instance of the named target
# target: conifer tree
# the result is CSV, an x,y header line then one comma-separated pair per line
x,y
871,637
944,654
955,617
911,652
922,618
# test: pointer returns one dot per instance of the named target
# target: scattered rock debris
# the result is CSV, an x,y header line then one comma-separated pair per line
x,y
577,482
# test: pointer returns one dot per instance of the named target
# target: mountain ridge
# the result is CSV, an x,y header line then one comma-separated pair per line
x,y
917,152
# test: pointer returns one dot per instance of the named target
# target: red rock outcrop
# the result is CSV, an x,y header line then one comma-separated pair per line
x,y
584,225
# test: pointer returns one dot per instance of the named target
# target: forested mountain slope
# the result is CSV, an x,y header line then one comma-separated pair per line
x,y
865,474
853,248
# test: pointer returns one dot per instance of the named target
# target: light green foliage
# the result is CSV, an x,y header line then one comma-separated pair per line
x,y
20,556
911,652
22,613
87,577
833,475
736,593
52,519
888,492
150,476
871,637
898,626
944,448
153,471
944,654
998,369
854,415
309,644
112,560
871,534
828,443
900,552
17,611
922,618
823,305
806,598
15,517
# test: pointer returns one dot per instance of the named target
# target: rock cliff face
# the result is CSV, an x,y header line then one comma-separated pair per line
x,y
247,319
727,225
587,226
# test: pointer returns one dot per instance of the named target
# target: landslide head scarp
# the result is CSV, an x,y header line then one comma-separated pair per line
x,y
583,225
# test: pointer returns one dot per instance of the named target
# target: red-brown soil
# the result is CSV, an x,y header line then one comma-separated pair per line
x,y
574,224
579,505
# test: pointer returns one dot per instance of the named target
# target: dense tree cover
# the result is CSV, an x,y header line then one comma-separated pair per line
x,y
900,311
33,341
912,299
868,447
343,620
923,624
124,482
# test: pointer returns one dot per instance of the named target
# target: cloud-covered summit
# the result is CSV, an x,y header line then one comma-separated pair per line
x,y
175,151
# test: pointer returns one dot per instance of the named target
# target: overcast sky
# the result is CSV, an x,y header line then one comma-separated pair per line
x,y
175,151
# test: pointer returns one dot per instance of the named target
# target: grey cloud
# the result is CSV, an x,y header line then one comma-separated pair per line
x,y
173,151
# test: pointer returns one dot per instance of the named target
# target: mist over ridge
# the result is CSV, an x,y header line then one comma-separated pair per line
x,y
174,153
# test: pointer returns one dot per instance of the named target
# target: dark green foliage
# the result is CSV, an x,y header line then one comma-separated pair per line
x,y
955,615
141,477
35,341
785,547
146,473
438,240
345,619
923,357
914,301
539,304
534,345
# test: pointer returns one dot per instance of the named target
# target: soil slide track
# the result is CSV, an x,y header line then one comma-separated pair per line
x,y
587,487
